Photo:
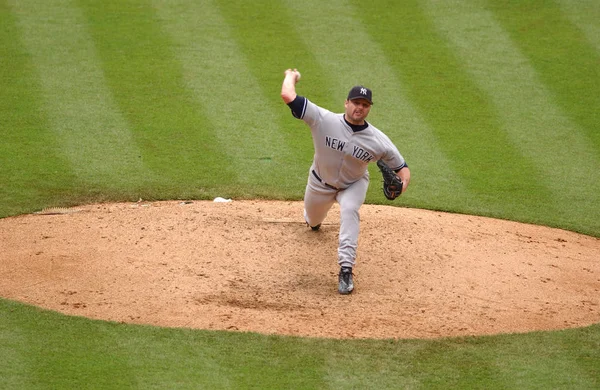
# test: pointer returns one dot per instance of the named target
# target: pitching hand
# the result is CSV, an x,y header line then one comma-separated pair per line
x,y
294,73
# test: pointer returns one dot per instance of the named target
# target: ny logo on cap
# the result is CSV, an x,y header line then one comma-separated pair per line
x,y
360,92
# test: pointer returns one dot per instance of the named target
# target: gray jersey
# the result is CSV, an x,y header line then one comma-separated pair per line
x,y
342,155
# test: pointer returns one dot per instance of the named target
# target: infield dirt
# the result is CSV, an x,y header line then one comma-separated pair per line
x,y
255,266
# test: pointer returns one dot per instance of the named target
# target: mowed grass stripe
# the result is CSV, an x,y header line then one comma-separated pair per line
x,y
564,161
585,14
65,352
219,360
17,355
33,169
229,95
264,35
459,113
148,85
79,107
461,365
188,358
564,61
580,357
556,359
350,54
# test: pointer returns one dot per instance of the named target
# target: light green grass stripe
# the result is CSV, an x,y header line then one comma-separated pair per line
x,y
585,14
344,48
560,54
535,123
33,170
265,35
16,354
94,135
218,76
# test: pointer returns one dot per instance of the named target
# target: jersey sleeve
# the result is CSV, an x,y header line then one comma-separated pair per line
x,y
304,109
392,156
313,114
298,106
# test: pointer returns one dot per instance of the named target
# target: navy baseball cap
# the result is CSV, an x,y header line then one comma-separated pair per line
x,y
360,92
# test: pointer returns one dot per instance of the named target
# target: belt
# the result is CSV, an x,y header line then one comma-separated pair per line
x,y
319,179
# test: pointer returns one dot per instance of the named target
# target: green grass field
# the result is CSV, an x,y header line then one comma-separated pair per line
x,y
494,104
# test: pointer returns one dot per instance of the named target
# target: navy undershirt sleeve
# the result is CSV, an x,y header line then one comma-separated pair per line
x,y
405,165
298,106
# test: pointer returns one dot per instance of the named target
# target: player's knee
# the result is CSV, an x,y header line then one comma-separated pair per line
x,y
350,214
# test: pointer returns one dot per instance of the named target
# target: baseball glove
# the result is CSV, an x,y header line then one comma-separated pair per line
x,y
392,185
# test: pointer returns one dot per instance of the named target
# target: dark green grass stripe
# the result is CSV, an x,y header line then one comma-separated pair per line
x,y
563,359
72,352
561,55
147,83
232,99
460,113
63,352
459,365
221,360
269,56
269,50
525,109
93,136
585,14
32,168
580,353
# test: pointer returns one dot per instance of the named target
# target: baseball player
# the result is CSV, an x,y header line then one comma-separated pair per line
x,y
344,145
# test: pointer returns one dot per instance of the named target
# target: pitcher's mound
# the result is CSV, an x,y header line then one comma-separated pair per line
x,y
255,266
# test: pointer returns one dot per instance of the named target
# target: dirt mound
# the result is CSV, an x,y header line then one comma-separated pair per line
x,y
255,266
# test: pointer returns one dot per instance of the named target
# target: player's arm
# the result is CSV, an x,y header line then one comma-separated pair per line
x,y
404,175
288,88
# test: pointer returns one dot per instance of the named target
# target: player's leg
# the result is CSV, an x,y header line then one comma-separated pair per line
x,y
317,202
350,200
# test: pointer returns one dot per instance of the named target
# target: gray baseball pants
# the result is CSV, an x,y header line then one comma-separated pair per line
x,y
318,199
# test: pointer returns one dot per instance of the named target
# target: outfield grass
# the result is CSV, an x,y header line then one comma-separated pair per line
x,y
42,349
495,105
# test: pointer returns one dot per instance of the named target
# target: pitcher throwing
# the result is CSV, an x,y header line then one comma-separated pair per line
x,y
344,145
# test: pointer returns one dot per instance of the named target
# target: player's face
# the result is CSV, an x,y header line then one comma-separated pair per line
x,y
357,111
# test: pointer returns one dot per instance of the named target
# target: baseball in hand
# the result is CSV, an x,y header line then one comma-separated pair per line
x,y
294,72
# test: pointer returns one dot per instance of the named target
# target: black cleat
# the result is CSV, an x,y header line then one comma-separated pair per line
x,y
314,228
346,281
